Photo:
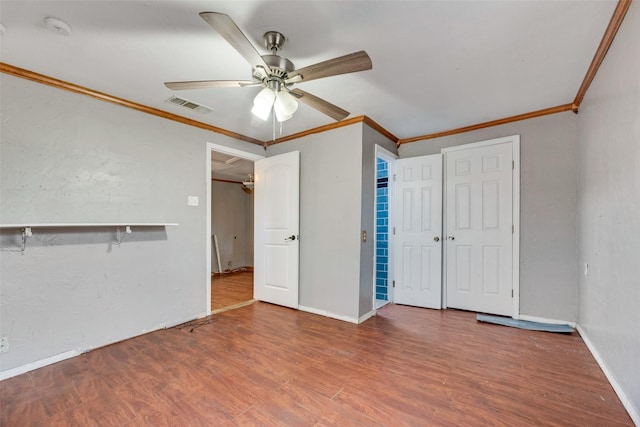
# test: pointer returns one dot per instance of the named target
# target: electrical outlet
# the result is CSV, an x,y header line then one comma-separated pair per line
x,y
4,344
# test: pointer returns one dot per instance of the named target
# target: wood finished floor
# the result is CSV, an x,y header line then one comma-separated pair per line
x,y
230,289
267,365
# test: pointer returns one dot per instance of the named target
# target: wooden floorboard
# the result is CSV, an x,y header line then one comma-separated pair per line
x,y
231,289
267,365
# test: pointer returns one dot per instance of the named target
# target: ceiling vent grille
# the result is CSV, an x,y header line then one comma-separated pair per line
x,y
188,104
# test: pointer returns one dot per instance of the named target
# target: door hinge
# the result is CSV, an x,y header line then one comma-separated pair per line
x,y
511,293
513,228
513,164
394,177
393,282
394,231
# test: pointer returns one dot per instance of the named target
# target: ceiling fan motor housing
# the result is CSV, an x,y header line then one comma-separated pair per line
x,y
279,68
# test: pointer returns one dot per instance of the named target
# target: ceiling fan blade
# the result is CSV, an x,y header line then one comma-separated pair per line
x,y
206,84
320,104
224,25
358,61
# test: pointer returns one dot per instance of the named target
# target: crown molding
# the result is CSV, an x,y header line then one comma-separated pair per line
x,y
71,87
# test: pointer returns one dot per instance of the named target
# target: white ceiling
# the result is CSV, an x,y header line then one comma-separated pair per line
x,y
437,65
226,167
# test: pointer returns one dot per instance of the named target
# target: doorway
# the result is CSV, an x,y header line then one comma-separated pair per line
x,y
229,248
383,283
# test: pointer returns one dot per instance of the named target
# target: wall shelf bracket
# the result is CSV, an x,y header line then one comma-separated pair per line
x,y
120,235
26,233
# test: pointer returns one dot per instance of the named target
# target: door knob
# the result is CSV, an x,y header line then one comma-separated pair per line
x,y
290,238
451,237
436,239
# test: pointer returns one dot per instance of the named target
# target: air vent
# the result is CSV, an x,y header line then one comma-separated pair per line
x,y
189,104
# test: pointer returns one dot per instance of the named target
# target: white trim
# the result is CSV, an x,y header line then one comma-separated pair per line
x,y
634,412
515,203
328,314
211,146
443,232
515,217
9,373
233,152
545,320
383,152
367,316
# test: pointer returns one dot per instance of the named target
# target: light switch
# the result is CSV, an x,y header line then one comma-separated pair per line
x,y
193,201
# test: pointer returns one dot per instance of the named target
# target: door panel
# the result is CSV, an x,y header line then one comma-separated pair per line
x,y
276,238
419,254
479,229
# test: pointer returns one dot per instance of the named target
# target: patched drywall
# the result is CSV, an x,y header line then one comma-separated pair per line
x,y
68,158
548,198
609,211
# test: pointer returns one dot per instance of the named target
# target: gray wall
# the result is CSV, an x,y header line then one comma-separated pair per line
x,y
70,158
330,202
232,223
609,210
548,203
370,138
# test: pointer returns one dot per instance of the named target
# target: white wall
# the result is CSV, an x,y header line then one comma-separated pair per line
x,y
609,211
330,202
232,223
548,200
71,158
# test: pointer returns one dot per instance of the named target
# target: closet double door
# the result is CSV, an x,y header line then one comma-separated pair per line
x,y
455,229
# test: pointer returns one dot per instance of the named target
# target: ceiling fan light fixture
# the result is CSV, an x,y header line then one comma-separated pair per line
x,y
263,102
284,106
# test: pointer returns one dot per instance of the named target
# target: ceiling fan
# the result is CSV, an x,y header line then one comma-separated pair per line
x,y
276,74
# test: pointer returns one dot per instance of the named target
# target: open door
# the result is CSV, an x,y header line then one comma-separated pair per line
x,y
276,228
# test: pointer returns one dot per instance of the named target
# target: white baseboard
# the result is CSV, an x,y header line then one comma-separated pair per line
x,y
367,316
328,314
545,320
634,412
19,370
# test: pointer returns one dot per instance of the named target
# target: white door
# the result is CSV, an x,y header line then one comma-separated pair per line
x,y
479,221
418,231
276,225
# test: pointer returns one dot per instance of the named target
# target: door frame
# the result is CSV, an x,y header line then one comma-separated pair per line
x,y
390,158
515,211
211,146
